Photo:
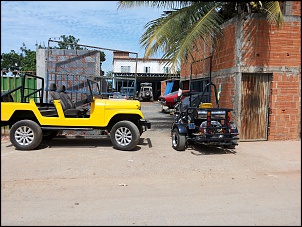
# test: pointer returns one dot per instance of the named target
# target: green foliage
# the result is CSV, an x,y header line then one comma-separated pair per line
x,y
69,42
29,59
11,60
25,61
102,56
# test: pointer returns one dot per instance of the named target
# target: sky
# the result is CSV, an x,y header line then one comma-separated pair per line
x,y
94,23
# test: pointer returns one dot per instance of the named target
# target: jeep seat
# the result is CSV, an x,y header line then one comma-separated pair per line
x,y
53,92
68,106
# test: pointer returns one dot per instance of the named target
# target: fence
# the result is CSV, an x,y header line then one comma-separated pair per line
x,y
12,82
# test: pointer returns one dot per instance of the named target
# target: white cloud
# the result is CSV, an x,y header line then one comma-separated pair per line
x,y
95,23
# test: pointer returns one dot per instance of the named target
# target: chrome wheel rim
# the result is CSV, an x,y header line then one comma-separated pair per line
x,y
123,136
174,139
24,135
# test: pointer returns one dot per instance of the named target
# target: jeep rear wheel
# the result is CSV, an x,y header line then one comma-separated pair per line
x,y
26,135
124,135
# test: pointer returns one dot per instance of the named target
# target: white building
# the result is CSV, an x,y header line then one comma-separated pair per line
x,y
152,70
123,63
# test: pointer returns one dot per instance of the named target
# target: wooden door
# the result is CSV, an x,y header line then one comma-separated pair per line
x,y
254,106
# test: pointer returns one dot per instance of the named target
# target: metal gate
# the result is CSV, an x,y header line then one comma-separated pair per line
x,y
254,106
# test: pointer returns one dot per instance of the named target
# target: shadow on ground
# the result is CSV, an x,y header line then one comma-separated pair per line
x,y
201,149
82,141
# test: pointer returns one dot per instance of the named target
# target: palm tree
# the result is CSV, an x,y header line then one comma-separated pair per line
x,y
186,23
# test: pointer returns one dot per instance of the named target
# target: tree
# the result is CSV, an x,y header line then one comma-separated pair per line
x,y
185,23
29,59
25,61
11,61
69,42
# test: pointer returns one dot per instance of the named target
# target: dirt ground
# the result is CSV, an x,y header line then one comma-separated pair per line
x,y
76,181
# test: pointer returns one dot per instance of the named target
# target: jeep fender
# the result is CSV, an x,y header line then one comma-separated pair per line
x,y
182,128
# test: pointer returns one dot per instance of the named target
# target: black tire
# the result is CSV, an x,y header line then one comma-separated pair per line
x,y
25,135
50,134
124,135
178,140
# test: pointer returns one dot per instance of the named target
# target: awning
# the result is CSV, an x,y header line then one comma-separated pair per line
x,y
169,87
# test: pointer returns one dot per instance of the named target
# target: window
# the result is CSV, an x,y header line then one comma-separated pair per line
x,y
146,69
199,84
125,69
166,69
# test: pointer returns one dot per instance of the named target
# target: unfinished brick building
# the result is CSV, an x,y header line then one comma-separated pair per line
x,y
258,69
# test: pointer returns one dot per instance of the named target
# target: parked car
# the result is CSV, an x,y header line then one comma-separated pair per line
x,y
170,99
146,92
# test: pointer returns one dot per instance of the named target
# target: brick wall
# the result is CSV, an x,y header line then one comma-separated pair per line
x,y
260,48
72,68
76,62
296,8
266,46
163,87
291,8
227,90
285,105
224,49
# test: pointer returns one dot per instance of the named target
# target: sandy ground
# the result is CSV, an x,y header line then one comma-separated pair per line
x,y
87,182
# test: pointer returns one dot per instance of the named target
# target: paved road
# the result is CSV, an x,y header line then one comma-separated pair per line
x,y
87,182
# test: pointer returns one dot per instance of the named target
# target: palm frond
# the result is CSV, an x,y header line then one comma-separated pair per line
x,y
176,33
155,4
159,32
273,13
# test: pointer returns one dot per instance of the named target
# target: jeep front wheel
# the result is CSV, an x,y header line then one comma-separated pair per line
x,y
178,140
25,135
124,135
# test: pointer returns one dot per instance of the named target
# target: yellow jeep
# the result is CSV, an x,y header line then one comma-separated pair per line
x,y
31,119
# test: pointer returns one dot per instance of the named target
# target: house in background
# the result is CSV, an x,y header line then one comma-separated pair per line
x,y
153,70
258,68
